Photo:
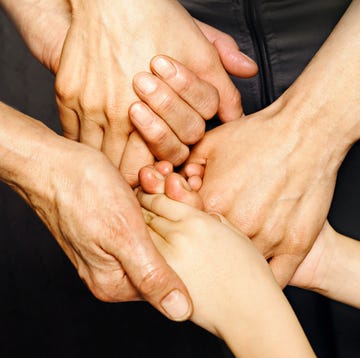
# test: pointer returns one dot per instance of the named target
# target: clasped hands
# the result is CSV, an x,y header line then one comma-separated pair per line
x,y
261,171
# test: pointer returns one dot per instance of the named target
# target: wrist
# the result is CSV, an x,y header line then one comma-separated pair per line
x,y
43,26
26,146
338,272
321,115
319,137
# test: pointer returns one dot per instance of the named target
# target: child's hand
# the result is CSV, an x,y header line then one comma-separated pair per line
x,y
234,293
206,251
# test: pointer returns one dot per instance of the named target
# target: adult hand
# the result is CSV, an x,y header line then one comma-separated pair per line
x,y
92,213
273,173
272,180
44,26
102,54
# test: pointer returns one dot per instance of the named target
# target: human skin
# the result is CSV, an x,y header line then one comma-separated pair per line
x,y
44,26
332,267
92,213
273,173
235,295
102,54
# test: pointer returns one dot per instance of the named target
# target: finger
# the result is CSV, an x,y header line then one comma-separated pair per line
x,y
159,241
283,267
186,123
69,122
156,281
194,169
164,167
135,156
161,140
234,61
200,95
160,226
151,180
91,134
230,107
177,188
195,183
163,206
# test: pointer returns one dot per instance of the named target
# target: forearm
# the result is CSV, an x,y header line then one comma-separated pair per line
x,y
326,97
338,273
25,145
269,327
42,25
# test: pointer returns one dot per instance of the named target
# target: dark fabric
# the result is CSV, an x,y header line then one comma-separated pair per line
x,y
47,312
282,37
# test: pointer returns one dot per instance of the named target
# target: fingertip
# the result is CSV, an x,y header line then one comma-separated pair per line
x,y
164,167
163,66
194,170
177,305
151,181
195,183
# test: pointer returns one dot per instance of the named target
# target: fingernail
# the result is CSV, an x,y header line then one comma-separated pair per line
x,y
163,67
176,305
145,84
246,57
141,115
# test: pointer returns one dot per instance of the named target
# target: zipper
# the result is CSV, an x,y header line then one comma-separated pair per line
x,y
253,21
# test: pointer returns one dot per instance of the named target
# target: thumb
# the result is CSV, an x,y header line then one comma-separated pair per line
x,y
155,280
234,61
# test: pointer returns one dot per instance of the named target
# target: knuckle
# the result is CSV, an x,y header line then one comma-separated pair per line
x,y
179,156
153,282
185,82
159,136
114,111
235,98
65,90
211,104
108,287
166,103
300,244
88,105
195,132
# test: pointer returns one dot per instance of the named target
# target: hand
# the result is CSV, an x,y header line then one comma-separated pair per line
x,y
197,245
44,26
93,103
272,180
217,262
92,213
181,104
